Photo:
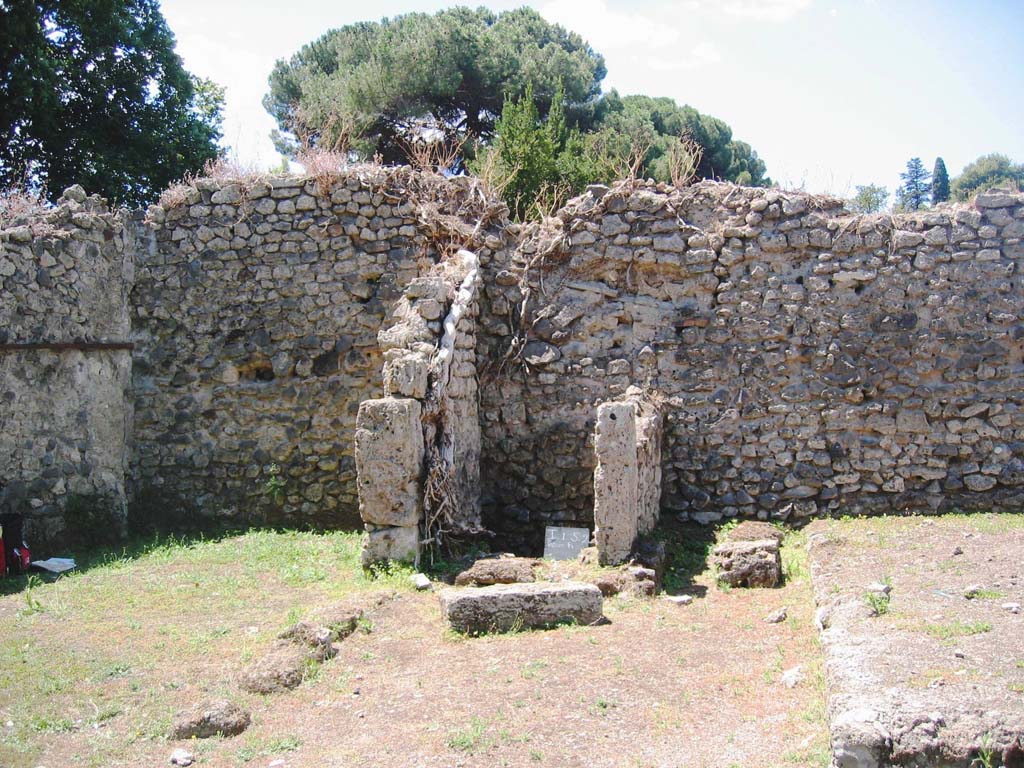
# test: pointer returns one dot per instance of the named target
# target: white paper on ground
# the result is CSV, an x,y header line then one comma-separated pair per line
x,y
55,564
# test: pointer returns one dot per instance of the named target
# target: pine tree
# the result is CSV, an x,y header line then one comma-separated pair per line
x,y
916,188
940,182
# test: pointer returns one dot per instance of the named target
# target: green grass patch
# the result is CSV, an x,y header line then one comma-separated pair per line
x,y
954,629
471,739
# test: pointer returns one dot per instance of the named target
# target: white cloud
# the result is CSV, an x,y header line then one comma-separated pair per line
x,y
701,55
764,10
609,30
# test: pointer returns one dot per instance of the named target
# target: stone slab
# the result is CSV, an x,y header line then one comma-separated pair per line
x,y
389,461
935,677
615,481
504,607
398,543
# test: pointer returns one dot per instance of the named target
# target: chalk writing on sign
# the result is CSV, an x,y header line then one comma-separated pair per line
x,y
565,543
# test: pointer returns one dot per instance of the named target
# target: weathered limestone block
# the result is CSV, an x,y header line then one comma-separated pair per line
x,y
281,669
399,543
750,556
615,481
405,373
389,461
649,428
221,718
497,570
502,607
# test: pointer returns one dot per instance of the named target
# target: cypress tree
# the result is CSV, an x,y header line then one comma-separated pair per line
x,y
940,182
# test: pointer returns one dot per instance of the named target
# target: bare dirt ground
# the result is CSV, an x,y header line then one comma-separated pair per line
x,y
933,673
94,675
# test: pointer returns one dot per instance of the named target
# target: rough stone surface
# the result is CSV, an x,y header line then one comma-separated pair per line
x,y
615,481
218,718
397,543
389,461
936,680
809,360
753,563
280,669
752,530
65,415
497,570
502,607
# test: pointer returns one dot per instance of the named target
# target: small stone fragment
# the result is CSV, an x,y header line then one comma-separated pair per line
x,y
679,599
420,581
776,617
182,757
792,677
1011,607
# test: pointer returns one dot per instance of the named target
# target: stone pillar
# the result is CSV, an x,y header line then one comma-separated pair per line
x,y
389,470
649,429
615,481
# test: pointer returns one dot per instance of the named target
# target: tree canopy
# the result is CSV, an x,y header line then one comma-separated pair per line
x,y
870,198
659,122
92,92
373,84
986,172
373,87
916,188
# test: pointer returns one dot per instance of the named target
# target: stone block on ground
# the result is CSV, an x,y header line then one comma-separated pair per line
x,y
630,579
503,607
753,563
397,543
497,570
218,718
650,553
754,530
389,461
281,669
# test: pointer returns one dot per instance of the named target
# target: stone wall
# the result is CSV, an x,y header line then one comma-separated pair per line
x,y
808,361
256,318
65,370
811,361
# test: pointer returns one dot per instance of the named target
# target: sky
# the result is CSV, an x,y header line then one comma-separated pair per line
x,y
830,94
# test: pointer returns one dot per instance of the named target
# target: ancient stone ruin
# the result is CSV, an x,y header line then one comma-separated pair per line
x,y
384,348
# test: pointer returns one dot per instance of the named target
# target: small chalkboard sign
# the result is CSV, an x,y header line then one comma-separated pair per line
x,y
565,543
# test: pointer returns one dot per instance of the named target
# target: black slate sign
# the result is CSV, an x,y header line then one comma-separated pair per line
x,y
565,543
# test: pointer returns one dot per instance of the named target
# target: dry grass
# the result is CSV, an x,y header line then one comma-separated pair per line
x,y
223,169
436,155
18,202
684,158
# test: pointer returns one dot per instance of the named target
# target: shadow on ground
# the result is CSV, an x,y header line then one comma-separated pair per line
x,y
687,548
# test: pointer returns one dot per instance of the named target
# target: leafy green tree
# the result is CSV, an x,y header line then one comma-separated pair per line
x,y
916,188
940,182
371,85
986,172
870,198
660,122
92,92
